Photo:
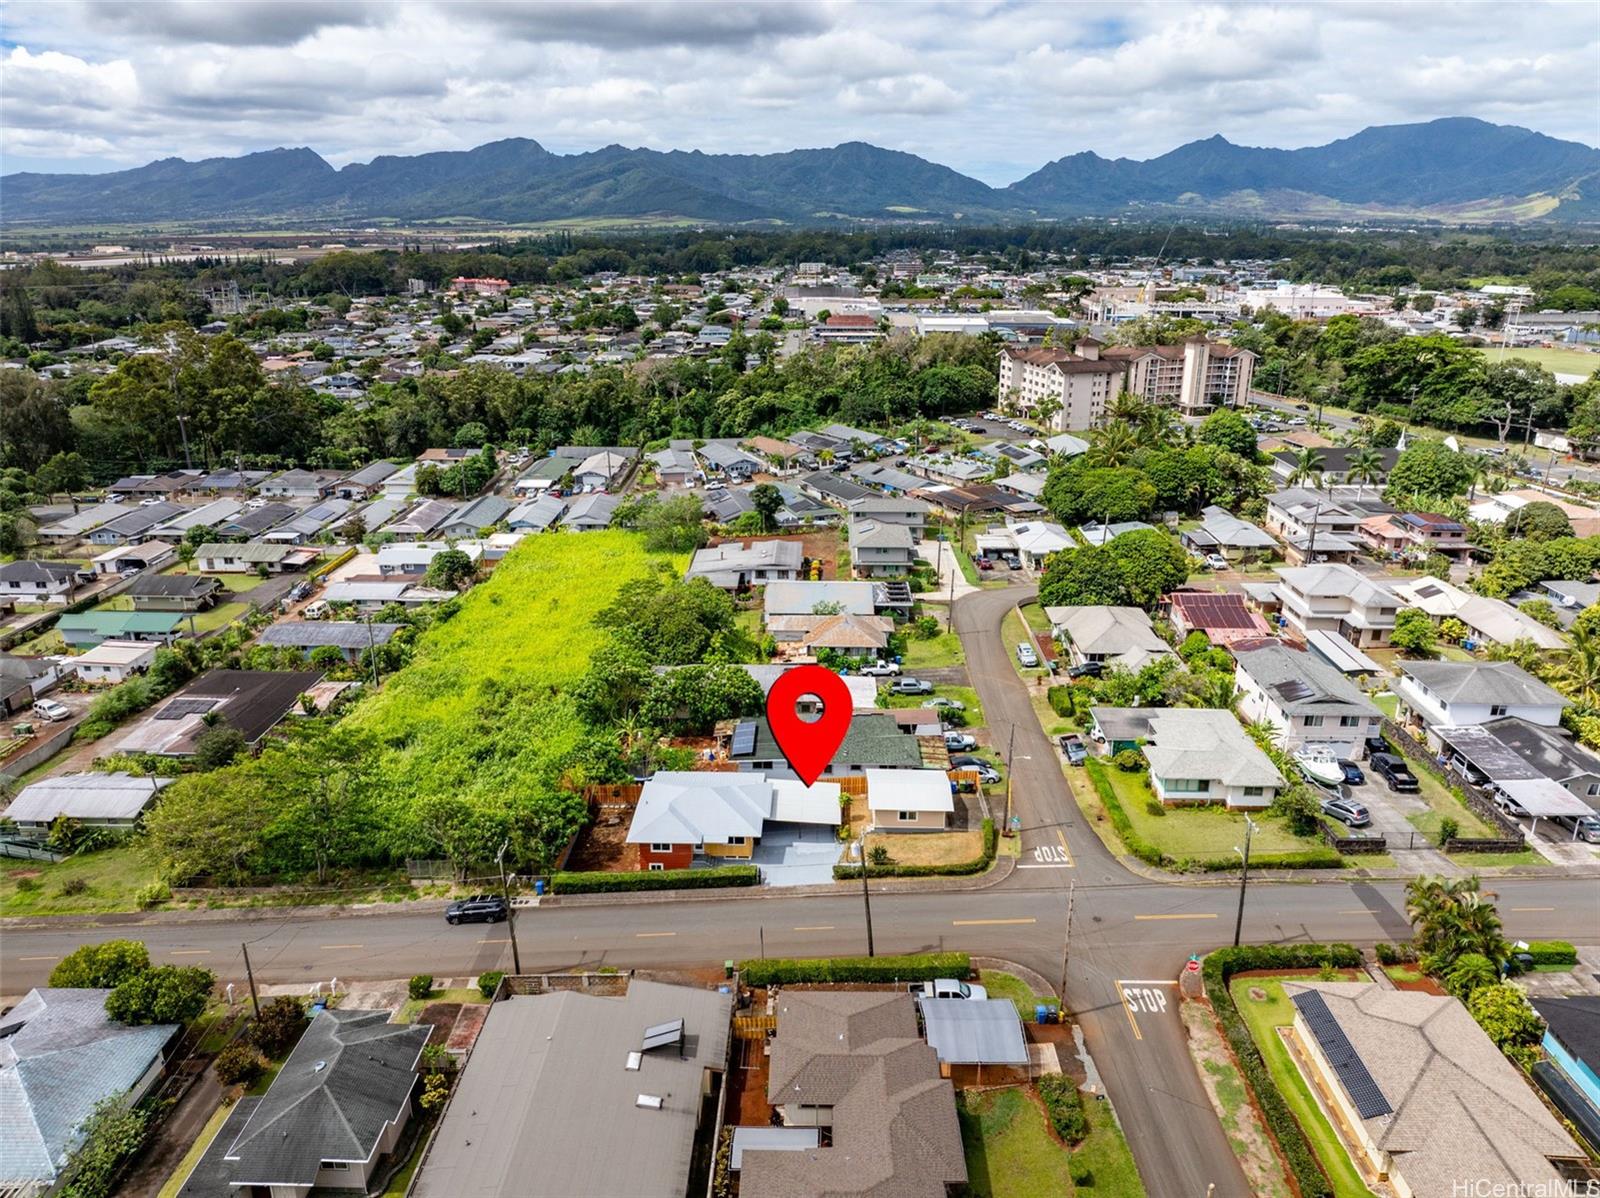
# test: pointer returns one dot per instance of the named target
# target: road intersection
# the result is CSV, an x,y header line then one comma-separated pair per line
x,y
1131,934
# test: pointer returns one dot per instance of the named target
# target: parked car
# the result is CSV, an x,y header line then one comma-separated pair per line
x,y
881,669
1395,772
1072,745
1087,669
1582,827
959,740
1376,744
1347,811
51,711
983,563
949,704
317,610
910,686
480,908
986,772
947,988
1352,773
1027,657
1215,561
1509,805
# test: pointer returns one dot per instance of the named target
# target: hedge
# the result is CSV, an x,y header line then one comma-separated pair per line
x,y
976,866
1222,965
332,564
922,967
1064,1104
1060,698
1552,952
1320,857
600,882
1395,954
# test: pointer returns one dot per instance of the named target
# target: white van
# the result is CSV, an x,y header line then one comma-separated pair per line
x,y
315,610
50,710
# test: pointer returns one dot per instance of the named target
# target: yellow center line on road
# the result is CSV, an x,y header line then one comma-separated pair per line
x,y
189,952
38,958
1061,836
816,927
973,923
1128,1011
648,935
332,946
1533,908
1181,915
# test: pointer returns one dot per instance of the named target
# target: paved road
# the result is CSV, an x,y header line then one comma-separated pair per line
x,y
1130,935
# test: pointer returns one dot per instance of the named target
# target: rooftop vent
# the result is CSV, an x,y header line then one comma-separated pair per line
x,y
650,1102
319,1066
634,1060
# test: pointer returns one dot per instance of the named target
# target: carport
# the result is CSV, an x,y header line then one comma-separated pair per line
x,y
1542,798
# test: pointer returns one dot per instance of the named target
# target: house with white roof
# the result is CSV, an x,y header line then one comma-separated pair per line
x,y
1196,754
113,801
734,565
682,815
909,800
1492,621
1030,540
113,661
1112,636
599,470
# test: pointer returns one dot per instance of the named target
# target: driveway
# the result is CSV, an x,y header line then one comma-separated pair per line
x,y
797,854
943,557
1389,811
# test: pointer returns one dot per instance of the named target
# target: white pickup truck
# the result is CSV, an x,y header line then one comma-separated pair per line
x,y
946,988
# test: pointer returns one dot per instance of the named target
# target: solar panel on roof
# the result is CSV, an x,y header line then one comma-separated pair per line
x,y
1292,690
744,740
1216,611
179,708
1342,1056
663,1034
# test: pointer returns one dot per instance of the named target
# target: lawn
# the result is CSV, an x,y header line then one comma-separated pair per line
x,y
1112,1171
1263,1018
1202,832
929,848
1034,615
196,1151
1010,986
1010,1151
1442,805
1492,860
1404,972
964,695
46,643
942,650
109,877
412,1007
1557,361
1387,702
234,582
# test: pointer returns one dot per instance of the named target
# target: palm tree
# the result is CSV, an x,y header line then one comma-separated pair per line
x,y
1158,425
1477,472
1308,467
1365,466
1578,673
1113,445
1127,407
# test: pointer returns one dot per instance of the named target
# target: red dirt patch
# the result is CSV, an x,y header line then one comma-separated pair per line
x,y
441,1017
604,847
468,1024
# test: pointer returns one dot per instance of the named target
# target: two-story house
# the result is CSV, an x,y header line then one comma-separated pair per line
x,y
892,509
880,550
1334,598
1457,694
1307,700
39,582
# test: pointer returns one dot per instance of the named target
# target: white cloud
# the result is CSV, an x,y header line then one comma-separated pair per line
x,y
995,87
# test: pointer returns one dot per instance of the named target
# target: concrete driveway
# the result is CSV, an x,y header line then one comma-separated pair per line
x,y
797,854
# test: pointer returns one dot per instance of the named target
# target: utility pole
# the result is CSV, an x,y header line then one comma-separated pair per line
x,y
1066,943
1010,747
866,893
249,973
1244,876
511,914
183,428
372,652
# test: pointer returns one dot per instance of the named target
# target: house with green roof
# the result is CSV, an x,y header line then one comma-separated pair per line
x,y
85,630
875,741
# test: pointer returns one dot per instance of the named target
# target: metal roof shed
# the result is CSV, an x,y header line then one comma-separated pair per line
x,y
965,1031
1340,653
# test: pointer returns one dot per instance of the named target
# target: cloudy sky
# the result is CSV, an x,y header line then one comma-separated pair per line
x,y
991,87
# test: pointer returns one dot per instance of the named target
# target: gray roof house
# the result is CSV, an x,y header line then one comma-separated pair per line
x,y
1453,694
1222,532
1115,636
350,637
484,512
880,550
424,520
1196,754
726,457
570,1095
130,527
588,512
60,1055
535,515
873,741
853,1062
113,801
1304,697
736,564
334,1110
365,482
1428,1098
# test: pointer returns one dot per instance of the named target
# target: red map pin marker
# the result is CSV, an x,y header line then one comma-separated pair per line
x,y
809,744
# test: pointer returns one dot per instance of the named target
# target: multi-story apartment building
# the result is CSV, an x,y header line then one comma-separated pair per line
x,y
1195,377
1335,598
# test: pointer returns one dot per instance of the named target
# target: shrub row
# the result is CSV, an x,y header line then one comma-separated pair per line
x,y
893,870
1065,1107
1395,954
1552,952
1319,857
1060,698
600,882
782,971
1222,965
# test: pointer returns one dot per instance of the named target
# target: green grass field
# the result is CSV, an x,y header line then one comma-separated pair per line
x,y
1010,1151
1010,986
1211,831
1557,361
1263,1018
110,878
942,650
961,694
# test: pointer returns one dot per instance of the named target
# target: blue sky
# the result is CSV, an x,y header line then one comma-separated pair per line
x,y
994,88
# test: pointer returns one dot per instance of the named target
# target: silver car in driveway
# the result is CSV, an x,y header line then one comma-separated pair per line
x,y
1027,656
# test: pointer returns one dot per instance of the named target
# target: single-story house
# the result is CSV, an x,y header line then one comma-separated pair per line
x,y
312,522
251,701
24,679
725,457
1423,1093
803,597
588,512
130,559
111,661
299,484
175,592
133,526
423,520
735,565
1224,617
486,511
205,516
414,557
113,801
535,515
873,741
599,470
76,526
542,476
61,1056
1570,1072
332,1114
247,557
853,636
1196,754
682,815
1220,531
1112,636
365,482
909,800
675,465
1488,620
350,637
374,596
1100,534
254,521
85,630
568,1094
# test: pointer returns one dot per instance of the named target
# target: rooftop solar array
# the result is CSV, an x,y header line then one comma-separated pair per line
x,y
1342,1056
1215,611
744,740
178,708
662,1034
1293,690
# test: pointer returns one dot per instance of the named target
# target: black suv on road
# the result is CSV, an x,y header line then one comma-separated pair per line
x,y
480,908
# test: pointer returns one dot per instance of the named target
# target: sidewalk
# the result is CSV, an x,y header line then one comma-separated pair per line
x,y
944,561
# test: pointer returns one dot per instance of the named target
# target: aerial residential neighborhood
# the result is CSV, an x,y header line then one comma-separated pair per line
x,y
713,655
